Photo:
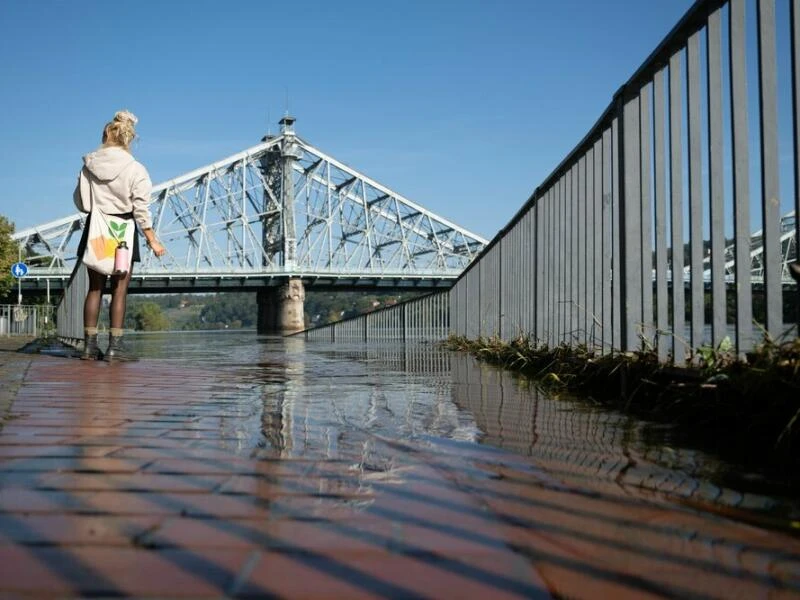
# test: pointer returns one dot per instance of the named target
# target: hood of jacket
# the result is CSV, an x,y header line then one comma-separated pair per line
x,y
107,162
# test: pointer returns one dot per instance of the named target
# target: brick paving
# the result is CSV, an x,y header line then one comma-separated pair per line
x,y
130,480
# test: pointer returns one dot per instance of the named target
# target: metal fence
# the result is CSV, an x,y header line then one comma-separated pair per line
x,y
421,319
628,242
69,315
25,319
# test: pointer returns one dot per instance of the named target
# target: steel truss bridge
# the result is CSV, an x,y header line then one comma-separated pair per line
x,y
789,253
281,209
284,209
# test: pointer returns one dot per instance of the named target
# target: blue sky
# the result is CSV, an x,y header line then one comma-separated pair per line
x,y
462,106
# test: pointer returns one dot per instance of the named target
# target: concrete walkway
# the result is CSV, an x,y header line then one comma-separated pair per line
x,y
120,480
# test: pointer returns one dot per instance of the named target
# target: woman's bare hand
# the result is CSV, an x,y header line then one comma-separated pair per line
x,y
157,248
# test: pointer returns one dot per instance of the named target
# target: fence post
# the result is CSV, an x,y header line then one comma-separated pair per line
x,y
500,286
619,274
629,233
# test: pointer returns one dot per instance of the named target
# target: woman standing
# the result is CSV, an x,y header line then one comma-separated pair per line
x,y
113,182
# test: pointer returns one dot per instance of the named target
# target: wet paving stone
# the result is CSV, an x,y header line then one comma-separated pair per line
x,y
260,467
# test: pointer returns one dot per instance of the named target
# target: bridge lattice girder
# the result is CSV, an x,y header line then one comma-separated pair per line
x,y
281,207
788,252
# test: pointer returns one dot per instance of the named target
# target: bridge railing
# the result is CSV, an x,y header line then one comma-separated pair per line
x,y
683,163
426,318
25,319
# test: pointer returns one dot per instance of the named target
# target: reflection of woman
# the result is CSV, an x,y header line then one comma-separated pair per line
x,y
113,182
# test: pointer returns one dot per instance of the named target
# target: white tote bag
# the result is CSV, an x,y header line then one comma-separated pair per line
x,y
105,234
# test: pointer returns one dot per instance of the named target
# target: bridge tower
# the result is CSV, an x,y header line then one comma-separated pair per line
x,y
281,309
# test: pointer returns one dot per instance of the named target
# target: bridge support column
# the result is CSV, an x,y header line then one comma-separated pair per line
x,y
281,309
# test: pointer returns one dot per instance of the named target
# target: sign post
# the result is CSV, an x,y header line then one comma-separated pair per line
x,y
19,278
19,270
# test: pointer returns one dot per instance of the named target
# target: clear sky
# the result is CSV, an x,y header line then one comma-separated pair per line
x,y
463,106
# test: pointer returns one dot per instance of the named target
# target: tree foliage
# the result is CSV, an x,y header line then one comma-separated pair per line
x,y
327,307
8,256
148,317
233,310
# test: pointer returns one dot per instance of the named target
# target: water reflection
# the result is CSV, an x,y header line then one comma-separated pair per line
x,y
287,398
596,447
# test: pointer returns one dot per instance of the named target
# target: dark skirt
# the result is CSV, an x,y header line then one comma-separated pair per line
x,y
135,256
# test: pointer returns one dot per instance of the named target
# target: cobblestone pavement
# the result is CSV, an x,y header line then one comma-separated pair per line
x,y
123,480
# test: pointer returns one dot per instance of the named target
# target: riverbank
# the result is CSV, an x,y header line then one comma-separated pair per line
x,y
748,409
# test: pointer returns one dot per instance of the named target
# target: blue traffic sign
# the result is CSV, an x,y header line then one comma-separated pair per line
x,y
19,270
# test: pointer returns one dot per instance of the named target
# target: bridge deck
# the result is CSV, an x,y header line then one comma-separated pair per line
x,y
124,480
193,283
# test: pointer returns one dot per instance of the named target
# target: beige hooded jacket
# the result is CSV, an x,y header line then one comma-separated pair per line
x,y
116,183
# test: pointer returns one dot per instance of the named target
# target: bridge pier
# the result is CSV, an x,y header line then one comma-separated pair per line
x,y
281,309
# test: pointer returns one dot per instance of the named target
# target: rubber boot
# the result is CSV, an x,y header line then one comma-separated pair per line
x,y
117,350
90,349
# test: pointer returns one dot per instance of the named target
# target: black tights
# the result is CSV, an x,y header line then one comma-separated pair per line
x,y
119,294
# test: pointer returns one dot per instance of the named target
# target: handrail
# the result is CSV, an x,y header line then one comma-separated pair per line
x,y
646,199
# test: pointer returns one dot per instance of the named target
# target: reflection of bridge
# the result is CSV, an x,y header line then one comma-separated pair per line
x,y
279,211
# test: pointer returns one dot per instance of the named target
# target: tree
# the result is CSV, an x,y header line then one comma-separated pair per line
x,y
229,310
8,256
148,317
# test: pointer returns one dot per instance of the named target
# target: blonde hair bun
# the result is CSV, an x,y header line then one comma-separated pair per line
x,y
126,116
121,131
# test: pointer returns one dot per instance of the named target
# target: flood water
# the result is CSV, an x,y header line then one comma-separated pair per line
x,y
297,399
